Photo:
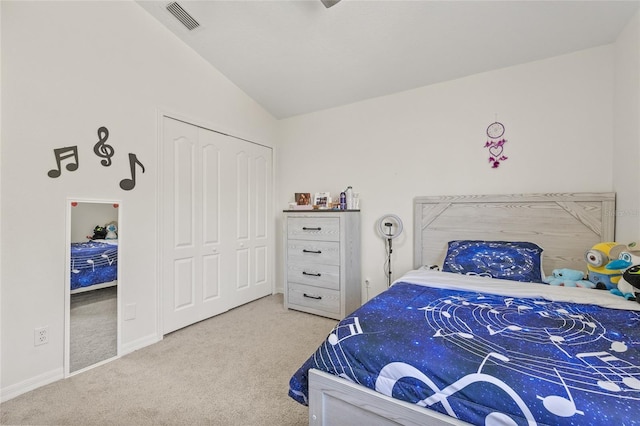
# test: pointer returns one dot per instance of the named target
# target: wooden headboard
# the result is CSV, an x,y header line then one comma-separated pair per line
x,y
565,225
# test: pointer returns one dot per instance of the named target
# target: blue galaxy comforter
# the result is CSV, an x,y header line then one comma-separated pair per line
x,y
93,263
546,356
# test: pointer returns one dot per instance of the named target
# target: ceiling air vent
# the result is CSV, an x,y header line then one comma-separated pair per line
x,y
182,16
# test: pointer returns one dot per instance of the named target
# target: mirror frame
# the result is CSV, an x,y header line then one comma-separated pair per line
x,y
67,283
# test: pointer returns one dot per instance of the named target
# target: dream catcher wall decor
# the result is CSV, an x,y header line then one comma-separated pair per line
x,y
495,144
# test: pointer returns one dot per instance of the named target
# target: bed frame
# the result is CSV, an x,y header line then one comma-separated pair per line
x,y
94,287
564,224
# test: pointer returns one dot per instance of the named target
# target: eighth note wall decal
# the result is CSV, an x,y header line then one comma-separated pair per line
x,y
129,184
101,149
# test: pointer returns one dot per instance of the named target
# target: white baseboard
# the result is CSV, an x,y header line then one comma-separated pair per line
x,y
25,386
140,343
31,384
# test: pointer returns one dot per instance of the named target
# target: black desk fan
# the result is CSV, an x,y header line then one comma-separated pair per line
x,y
389,227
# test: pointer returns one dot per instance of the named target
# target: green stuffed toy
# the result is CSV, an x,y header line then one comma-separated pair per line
x,y
568,278
99,233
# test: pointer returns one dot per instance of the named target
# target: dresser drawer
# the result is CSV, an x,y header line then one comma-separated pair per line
x,y
304,251
314,228
322,261
314,297
318,275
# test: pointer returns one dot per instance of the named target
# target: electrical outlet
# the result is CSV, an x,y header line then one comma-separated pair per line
x,y
40,336
130,311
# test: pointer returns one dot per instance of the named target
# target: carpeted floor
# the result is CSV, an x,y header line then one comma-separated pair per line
x,y
93,327
232,369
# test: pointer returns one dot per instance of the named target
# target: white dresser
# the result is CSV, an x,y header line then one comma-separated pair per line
x,y
322,262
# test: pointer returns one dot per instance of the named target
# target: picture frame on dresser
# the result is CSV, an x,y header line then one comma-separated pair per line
x,y
322,262
322,199
303,198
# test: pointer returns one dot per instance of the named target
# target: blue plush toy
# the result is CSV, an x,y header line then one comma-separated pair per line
x,y
568,278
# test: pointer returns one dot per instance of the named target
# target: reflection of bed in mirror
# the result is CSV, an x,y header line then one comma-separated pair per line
x,y
93,250
94,265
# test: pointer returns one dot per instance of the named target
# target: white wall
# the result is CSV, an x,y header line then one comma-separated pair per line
x,y
626,130
67,69
1,225
430,141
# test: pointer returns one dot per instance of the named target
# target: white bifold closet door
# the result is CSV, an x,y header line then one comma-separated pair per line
x,y
217,236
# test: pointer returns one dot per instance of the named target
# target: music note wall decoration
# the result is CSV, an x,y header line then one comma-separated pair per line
x,y
102,150
129,184
62,154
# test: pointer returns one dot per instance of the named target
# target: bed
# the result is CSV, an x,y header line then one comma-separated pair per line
x,y
94,264
447,348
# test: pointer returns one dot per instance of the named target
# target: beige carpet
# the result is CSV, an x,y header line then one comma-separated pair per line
x,y
93,327
232,369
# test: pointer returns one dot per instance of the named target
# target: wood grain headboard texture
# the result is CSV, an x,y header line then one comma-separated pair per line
x,y
565,225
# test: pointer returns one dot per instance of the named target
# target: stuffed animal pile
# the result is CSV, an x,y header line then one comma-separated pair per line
x,y
610,266
107,232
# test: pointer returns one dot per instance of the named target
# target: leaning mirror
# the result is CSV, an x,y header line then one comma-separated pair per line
x,y
92,283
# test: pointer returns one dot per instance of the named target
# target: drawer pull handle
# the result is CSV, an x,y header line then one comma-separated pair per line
x,y
312,251
304,228
309,273
312,297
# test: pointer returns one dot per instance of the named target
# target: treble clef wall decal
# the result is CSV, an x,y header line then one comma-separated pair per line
x,y
102,149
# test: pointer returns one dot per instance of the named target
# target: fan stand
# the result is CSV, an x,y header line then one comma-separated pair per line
x,y
385,229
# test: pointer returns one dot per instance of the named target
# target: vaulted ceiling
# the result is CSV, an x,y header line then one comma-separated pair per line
x,y
298,56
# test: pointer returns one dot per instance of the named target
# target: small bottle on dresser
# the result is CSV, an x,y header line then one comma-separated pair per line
x,y
349,196
343,201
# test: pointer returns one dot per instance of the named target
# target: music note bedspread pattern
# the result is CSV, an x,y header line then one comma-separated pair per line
x,y
489,359
93,263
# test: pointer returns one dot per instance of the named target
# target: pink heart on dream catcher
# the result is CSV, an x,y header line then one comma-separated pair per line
x,y
496,151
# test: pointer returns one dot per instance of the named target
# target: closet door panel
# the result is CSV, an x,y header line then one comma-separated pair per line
x,y
261,217
218,272
180,253
217,212
260,194
242,274
211,178
184,287
211,277
261,269
184,153
253,240
242,191
211,221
